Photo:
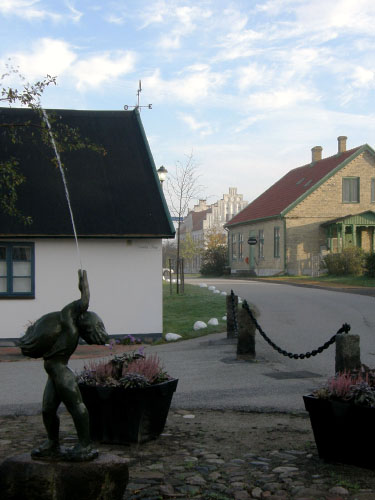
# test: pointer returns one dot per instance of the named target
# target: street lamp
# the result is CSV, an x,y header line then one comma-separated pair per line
x,y
162,173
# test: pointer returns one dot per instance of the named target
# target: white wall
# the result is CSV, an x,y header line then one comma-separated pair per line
x,y
124,277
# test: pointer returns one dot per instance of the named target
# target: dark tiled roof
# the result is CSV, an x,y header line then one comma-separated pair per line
x,y
289,188
115,195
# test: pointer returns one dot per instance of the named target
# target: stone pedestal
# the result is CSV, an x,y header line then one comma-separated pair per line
x,y
231,330
348,354
246,336
102,479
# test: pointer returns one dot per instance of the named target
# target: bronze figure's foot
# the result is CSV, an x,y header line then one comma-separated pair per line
x,y
80,453
47,451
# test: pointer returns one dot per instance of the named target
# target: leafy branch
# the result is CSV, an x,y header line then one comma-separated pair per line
x,y
67,139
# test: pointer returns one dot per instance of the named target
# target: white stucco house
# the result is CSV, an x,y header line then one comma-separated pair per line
x,y
120,216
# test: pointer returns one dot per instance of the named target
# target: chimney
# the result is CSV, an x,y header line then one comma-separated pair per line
x,y
342,143
316,153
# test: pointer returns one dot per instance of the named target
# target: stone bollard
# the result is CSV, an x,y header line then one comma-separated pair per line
x,y
246,336
231,331
348,354
23,478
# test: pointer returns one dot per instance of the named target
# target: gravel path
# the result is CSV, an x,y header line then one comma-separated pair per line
x,y
217,455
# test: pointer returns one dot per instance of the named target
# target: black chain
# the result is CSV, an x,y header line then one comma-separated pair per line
x,y
344,329
234,314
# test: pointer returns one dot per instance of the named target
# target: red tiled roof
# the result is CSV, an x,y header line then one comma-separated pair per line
x,y
289,188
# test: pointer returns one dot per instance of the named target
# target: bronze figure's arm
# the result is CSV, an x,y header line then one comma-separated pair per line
x,y
83,285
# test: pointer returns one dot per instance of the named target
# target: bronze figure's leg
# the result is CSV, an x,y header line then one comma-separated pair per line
x,y
51,402
68,392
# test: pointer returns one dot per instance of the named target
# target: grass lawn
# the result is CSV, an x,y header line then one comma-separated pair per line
x,y
196,304
356,281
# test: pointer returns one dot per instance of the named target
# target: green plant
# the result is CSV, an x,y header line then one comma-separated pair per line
x,y
351,261
214,261
128,370
370,265
134,380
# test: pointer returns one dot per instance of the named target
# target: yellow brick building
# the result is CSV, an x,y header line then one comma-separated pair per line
x,y
318,208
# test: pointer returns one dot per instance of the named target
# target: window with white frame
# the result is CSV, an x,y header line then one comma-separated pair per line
x,y
240,246
16,269
350,190
276,242
261,244
234,247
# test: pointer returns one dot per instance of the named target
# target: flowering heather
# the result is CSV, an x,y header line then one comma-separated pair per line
x,y
150,367
115,372
353,387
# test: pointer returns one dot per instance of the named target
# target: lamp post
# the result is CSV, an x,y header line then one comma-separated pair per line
x,y
162,173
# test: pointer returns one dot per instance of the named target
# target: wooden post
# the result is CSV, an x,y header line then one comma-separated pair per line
x,y
246,336
182,276
231,332
348,353
170,276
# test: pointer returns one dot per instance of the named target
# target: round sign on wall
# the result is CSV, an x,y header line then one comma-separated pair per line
x,y
252,241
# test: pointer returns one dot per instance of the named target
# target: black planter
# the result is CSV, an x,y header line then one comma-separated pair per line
x,y
121,416
343,432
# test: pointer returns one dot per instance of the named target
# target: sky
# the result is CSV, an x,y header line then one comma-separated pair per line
x,y
248,87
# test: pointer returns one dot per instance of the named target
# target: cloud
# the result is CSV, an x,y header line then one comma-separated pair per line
x,y
26,9
194,84
47,56
204,128
102,68
115,19
253,75
58,58
75,14
282,98
185,21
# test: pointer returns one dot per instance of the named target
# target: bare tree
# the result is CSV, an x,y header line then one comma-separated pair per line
x,y
182,187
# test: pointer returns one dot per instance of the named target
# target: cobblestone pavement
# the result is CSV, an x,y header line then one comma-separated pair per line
x,y
217,455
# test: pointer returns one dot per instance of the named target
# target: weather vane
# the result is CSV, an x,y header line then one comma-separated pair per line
x,y
138,106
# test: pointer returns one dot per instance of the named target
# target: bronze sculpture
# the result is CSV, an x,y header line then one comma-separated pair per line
x,y
55,337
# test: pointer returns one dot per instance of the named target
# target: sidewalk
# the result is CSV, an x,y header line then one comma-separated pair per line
x,y
82,352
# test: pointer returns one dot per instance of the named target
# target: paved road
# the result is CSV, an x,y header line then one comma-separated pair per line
x,y
299,319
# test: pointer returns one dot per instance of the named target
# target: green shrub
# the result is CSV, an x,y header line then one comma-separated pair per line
x,y
214,261
351,261
370,265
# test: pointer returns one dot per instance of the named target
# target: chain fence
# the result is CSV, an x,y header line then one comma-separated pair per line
x,y
344,329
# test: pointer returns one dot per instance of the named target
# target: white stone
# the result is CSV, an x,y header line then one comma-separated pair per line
x,y
339,490
172,336
213,321
224,318
203,285
198,325
189,416
256,493
285,468
223,293
211,287
217,291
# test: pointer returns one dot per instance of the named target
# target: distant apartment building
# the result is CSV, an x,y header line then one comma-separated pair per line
x,y
204,218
